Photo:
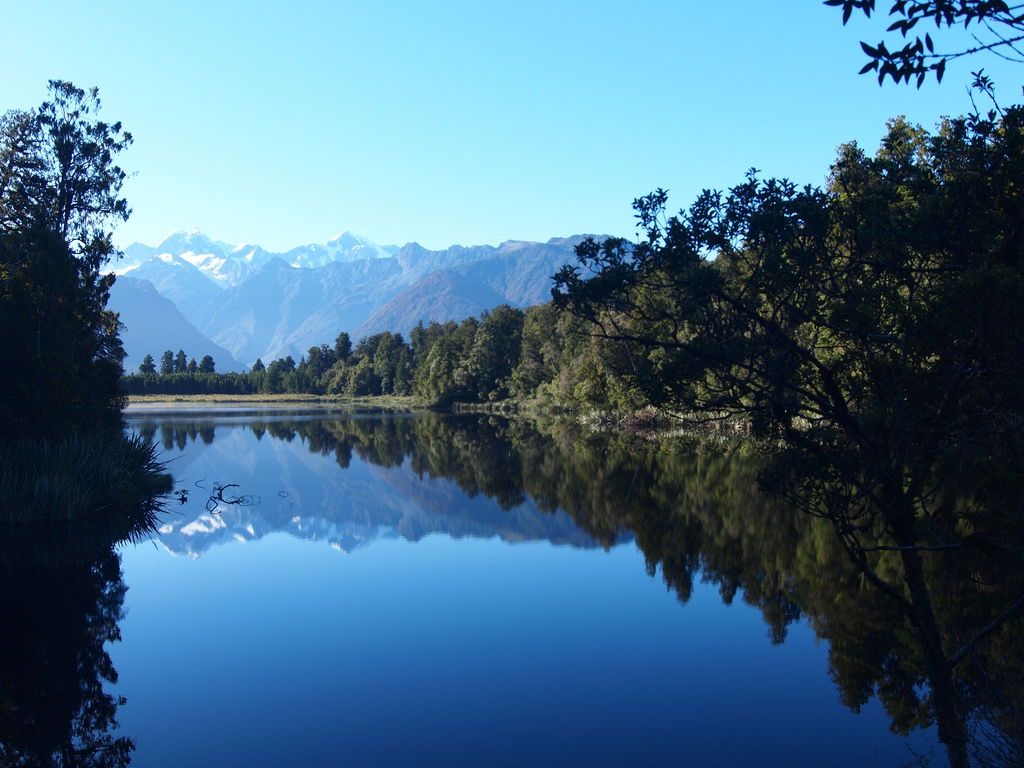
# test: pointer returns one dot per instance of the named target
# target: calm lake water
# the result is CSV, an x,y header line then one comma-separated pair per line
x,y
427,590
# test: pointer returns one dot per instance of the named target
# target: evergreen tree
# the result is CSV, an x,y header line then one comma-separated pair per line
x,y
147,366
167,363
342,346
59,190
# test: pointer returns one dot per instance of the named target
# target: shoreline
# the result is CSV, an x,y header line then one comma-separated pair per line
x,y
153,402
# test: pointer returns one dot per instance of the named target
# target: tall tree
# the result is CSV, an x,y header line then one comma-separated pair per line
x,y
495,352
342,346
60,190
147,366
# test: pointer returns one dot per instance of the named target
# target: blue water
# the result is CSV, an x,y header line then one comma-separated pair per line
x,y
307,629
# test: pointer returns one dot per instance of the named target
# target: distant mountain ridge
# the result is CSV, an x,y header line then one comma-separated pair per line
x,y
257,304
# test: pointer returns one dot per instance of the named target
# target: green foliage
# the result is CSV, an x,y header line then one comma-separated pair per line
x,y
494,352
167,363
76,478
874,322
541,356
872,328
342,346
59,190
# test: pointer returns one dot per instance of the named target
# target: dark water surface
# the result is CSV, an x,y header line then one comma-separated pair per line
x,y
423,590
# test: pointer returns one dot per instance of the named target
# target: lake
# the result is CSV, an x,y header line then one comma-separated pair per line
x,y
361,589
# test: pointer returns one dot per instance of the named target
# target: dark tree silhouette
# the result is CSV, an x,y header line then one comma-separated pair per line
x,y
994,26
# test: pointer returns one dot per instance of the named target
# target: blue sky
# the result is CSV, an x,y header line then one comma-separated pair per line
x,y
457,122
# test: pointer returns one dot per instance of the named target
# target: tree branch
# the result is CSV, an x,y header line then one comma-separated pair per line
x,y
991,627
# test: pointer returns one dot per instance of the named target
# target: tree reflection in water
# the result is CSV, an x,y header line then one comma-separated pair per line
x,y
53,666
696,513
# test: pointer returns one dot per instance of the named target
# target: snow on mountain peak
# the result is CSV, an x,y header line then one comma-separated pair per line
x,y
347,240
228,265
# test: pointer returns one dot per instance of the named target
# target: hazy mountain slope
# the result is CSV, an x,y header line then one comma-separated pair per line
x,y
520,274
516,273
152,324
181,282
283,310
349,294
442,295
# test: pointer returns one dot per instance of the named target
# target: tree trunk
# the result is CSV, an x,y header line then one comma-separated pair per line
x,y
945,701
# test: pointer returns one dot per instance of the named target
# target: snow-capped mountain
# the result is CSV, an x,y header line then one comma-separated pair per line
x,y
228,265
258,304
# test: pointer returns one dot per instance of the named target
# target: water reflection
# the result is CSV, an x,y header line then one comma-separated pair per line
x,y
696,514
53,664
407,477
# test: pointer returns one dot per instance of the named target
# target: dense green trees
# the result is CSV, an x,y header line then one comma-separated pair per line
x,y
60,188
872,328
538,355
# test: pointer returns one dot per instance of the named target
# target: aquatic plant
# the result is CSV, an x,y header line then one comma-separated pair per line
x,y
108,486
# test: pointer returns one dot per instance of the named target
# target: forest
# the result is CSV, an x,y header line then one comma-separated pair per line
x,y
539,355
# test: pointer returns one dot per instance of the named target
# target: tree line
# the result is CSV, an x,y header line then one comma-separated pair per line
x,y
177,363
539,354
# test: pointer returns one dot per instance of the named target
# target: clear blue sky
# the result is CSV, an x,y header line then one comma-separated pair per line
x,y
457,122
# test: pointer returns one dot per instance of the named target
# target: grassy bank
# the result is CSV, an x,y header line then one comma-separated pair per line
x,y
393,402
108,480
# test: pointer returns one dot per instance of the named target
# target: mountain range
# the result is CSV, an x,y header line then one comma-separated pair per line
x,y
240,303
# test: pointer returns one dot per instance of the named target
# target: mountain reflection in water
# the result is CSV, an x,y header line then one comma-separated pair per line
x,y
411,480
348,480
695,513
